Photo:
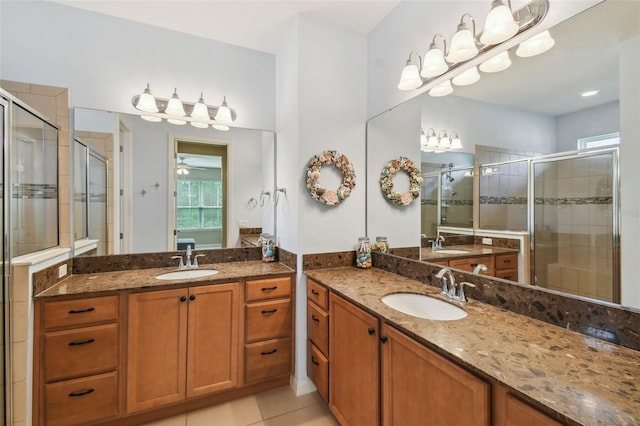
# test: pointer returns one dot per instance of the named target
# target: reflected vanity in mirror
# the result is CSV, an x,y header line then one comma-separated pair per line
x,y
545,170
176,186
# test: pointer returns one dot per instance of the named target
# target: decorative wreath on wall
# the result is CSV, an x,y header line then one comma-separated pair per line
x,y
328,196
386,181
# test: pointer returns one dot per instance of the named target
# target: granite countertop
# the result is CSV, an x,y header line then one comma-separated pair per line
x,y
474,250
585,380
145,278
253,239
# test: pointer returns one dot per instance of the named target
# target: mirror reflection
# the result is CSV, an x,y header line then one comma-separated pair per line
x,y
175,186
533,132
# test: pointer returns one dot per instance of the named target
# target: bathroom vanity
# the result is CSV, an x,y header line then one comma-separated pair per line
x,y
126,348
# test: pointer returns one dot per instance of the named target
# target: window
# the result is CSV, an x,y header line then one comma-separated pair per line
x,y
199,204
599,141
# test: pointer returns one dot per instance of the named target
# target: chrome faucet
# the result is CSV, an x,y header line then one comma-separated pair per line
x,y
480,267
188,265
181,265
439,241
448,289
461,297
188,257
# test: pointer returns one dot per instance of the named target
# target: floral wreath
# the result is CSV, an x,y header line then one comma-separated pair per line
x,y
386,181
327,196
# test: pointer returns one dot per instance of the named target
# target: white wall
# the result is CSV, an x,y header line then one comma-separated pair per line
x,y
105,61
599,120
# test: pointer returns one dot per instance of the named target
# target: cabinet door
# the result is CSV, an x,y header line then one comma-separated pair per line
x,y
422,388
156,355
354,366
213,347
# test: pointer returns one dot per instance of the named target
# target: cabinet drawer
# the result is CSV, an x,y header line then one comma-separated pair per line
x,y
82,401
66,313
266,360
318,370
318,327
470,263
268,320
271,288
318,293
507,274
506,261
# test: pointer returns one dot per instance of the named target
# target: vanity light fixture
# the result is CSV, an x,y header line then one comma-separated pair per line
x,y
501,25
467,78
536,45
498,63
178,112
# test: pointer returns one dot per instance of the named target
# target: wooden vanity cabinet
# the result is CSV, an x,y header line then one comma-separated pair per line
x,y
181,343
268,323
508,410
318,337
378,375
468,264
507,266
503,266
77,352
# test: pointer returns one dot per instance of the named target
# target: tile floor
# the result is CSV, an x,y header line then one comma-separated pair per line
x,y
277,407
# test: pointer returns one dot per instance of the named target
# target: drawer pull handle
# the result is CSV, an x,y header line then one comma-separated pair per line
x,y
270,311
507,261
269,288
313,317
269,353
474,264
315,293
313,361
83,311
82,342
81,393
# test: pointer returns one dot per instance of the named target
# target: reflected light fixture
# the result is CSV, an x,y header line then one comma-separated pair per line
x,y
499,25
442,89
440,143
177,112
434,63
466,78
498,63
589,93
456,143
536,45
463,44
410,77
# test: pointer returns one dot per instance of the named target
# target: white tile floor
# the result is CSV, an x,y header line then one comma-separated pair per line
x,y
277,407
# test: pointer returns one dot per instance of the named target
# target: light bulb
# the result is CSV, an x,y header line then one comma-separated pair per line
x,y
499,25
410,77
536,45
500,62
468,77
442,89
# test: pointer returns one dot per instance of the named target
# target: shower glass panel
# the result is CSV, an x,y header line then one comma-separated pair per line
x,y
503,196
574,223
456,198
429,205
97,207
5,272
80,191
34,177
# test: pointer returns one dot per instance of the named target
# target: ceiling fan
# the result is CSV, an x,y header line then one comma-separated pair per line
x,y
182,168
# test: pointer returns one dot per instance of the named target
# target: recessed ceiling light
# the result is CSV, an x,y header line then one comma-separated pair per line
x,y
589,93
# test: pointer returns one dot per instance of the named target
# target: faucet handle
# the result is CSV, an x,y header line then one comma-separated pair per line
x,y
195,260
181,265
461,297
445,287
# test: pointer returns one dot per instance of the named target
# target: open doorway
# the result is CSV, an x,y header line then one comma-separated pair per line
x,y
200,195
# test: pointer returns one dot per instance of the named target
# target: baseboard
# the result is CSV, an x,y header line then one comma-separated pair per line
x,y
302,387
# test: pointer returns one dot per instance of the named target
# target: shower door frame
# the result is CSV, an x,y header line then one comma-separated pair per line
x,y
615,203
6,266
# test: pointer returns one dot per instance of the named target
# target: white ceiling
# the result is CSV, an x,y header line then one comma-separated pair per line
x,y
254,24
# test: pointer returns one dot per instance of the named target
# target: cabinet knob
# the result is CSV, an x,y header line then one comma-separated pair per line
x,y
192,297
384,339
183,299
371,331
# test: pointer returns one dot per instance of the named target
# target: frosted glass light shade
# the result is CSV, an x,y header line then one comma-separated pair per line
x,y
151,118
410,77
500,62
223,115
536,45
176,121
432,142
146,101
445,142
456,143
434,63
201,113
500,25
463,45
174,106
442,89
468,77
220,127
423,139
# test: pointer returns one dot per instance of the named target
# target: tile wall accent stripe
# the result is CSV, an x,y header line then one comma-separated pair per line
x,y
35,191
605,321
428,202
47,278
484,199
573,201
328,260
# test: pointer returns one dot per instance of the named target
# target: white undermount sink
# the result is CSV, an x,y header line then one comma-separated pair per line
x,y
186,274
421,306
452,251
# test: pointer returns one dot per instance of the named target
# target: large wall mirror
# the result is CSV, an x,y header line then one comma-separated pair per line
x,y
169,187
537,108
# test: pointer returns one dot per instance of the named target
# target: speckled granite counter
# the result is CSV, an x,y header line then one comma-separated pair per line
x,y
474,250
251,240
145,278
583,380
